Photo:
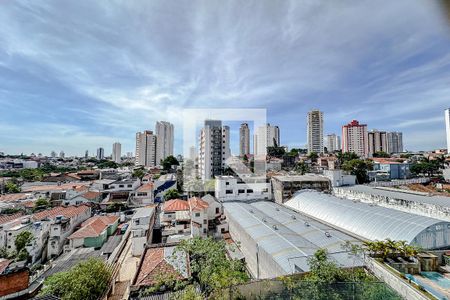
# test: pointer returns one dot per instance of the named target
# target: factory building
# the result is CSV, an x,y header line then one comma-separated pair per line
x,y
276,240
372,222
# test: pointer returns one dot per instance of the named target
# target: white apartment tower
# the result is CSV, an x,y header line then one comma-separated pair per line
x,y
314,131
266,136
214,149
354,138
394,142
377,141
116,152
145,149
333,143
100,153
447,128
164,140
244,140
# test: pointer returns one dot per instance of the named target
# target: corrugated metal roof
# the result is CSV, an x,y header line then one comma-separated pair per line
x,y
365,220
434,200
289,237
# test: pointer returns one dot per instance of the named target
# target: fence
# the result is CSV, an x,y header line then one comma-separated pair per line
x,y
401,182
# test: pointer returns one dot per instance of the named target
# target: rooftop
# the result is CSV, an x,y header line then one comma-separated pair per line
x,y
299,178
65,211
197,204
403,195
144,212
156,261
287,236
148,187
175,205
94,226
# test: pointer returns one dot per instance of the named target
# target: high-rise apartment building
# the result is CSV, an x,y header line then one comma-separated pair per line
x,y
447,128
145,149
53,154
117,152
377,141
164,140
100,153
354,138
62,154
314,131
244,140
266,136
333,143
214,149
394,142
86,154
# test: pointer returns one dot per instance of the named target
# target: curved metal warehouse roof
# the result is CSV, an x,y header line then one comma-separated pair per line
x,y
370,221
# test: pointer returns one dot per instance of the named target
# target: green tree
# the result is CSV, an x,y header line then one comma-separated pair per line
x,y
168,162
138,173
210,267
381,154
313,156
171,194
87,280
301,168
359,168
41,204
344,157
276,151
11,188
22,240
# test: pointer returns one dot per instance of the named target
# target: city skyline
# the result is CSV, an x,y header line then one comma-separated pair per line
x,y
75,86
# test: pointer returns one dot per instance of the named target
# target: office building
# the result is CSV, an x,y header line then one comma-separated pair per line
x,y
354,138
333,143
164,140
116,152
100,153
145,149
244,140
377,142
266,136
314,131
214,149
394,142
447,128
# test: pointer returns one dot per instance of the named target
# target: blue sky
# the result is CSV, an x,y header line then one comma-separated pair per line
x,y
76,75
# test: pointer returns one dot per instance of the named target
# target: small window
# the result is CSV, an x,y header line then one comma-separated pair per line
x,y
229,192
241,191
121,185
197,215
204,222
227,183
204,230
249,191
217,210
130,185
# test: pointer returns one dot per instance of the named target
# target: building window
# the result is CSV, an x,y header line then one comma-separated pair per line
x,y
229,192
197,215
249,191
204,230
227,183
121,185
217,210
129,185
241,191
204,222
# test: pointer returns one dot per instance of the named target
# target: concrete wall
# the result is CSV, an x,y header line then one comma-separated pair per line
x,y
14,282
395,282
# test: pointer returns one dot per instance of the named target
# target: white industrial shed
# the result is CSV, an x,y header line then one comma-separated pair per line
x,y
276,240
372,222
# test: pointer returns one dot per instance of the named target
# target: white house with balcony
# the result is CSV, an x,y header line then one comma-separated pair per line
x,y
230,188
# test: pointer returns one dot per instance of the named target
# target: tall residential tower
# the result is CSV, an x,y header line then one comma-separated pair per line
x,y
116,152
315,131
244,140
145,149
266,136
354,138
447,128
164,140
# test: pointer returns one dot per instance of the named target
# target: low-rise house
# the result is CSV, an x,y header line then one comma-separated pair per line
x,y
57,192
175,217
199,216
88,174
387,169
144,195
94,232
63,221
16,200
229,188
141,229
88,197
61,177
159,261
339,177
125,185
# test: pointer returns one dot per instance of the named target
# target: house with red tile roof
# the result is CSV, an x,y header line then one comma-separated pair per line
x,y
185,217
94,232
161,261
87,197
143,195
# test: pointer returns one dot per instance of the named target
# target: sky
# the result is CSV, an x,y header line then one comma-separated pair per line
x,y
77,75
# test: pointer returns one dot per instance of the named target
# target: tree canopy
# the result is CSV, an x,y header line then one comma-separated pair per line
x,y
171,194
11,188
87,280
41,204
277,152
359,168
168,162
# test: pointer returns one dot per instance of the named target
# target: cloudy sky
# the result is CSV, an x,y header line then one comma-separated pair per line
x,y
76,75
